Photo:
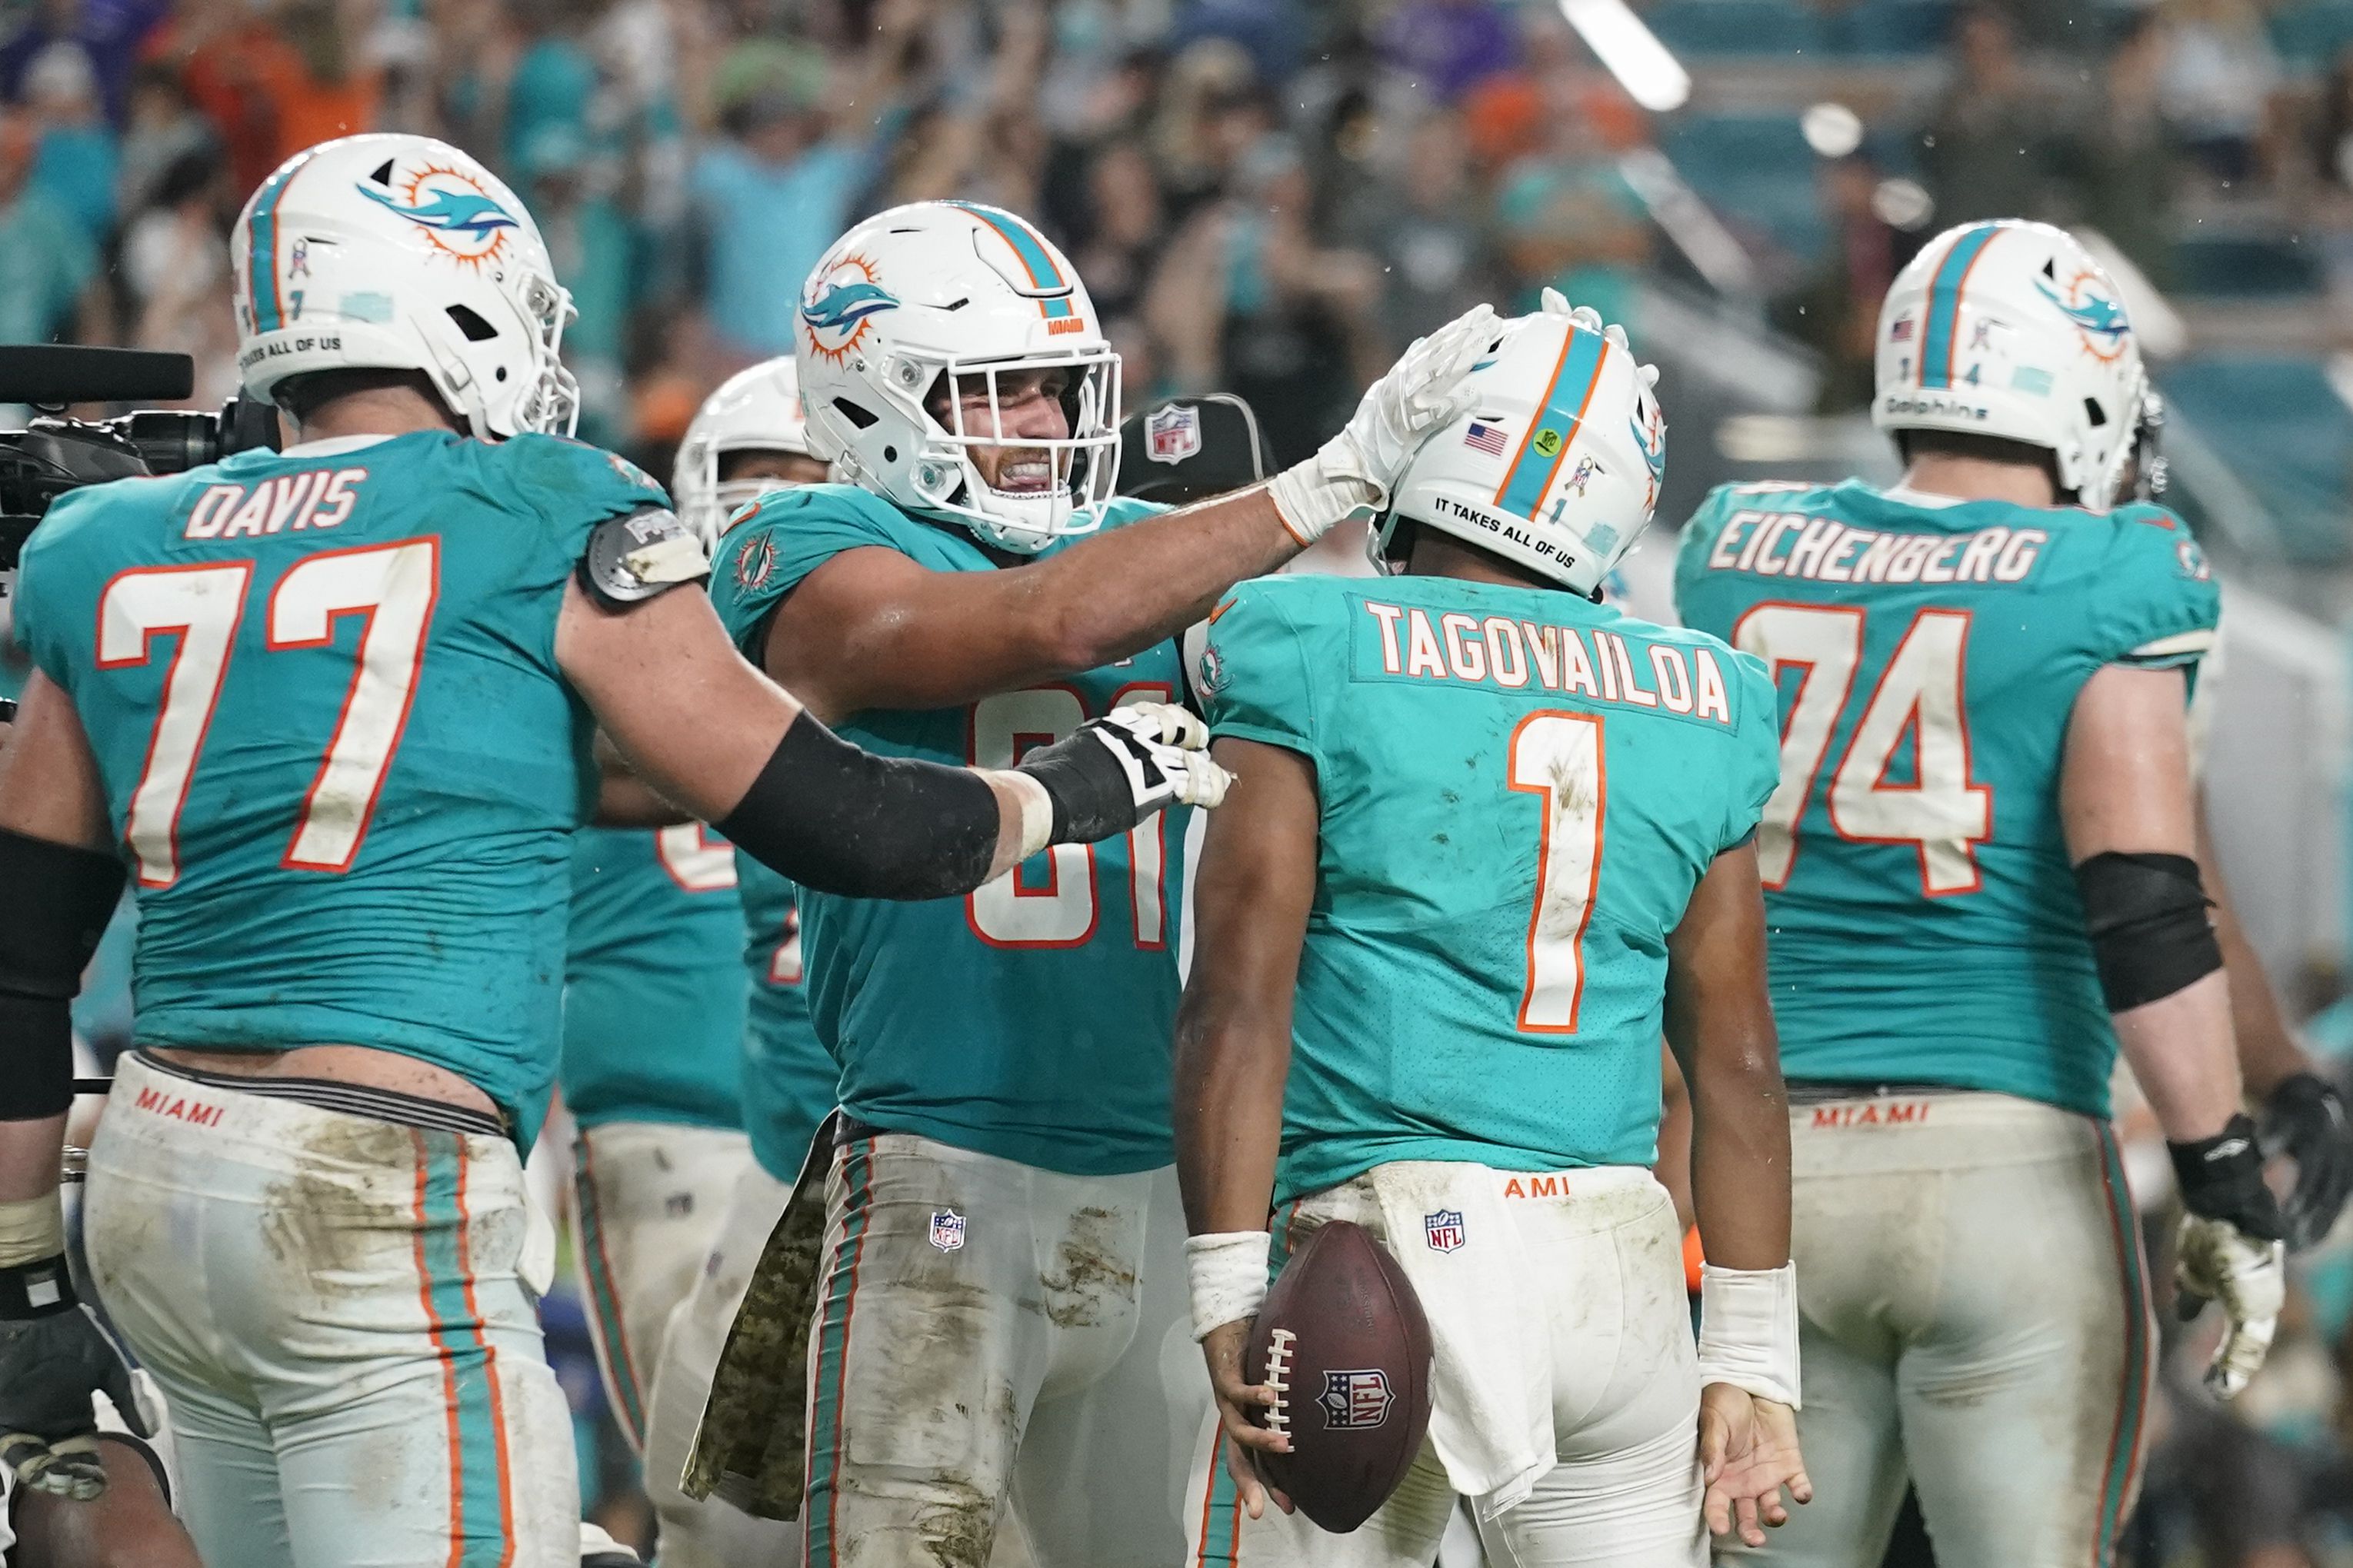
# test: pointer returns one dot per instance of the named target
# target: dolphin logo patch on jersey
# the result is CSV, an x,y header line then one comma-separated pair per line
x,y
2101,319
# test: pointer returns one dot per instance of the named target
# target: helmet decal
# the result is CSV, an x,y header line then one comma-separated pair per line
x,y
270,314
1035,259
840,300
1945,302
1574,377
460,219
2099,318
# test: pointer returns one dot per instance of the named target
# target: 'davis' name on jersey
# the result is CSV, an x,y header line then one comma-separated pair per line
x,y
1500,651
1824,550
317,497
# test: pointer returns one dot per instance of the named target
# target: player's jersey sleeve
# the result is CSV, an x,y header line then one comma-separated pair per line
x,y
1254,670
790,534
56,558
2157,603
1691,551
577,486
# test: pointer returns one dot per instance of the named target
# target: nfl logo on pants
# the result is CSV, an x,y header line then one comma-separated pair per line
x,y
948,1230
1443,1230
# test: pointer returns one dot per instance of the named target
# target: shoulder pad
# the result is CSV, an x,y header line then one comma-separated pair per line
x,y
640,555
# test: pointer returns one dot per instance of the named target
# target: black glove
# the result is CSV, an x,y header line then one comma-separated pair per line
x,y
2304,1119
53,1356
1112,772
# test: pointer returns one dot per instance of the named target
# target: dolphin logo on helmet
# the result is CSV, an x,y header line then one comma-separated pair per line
x,y
845,304
453,212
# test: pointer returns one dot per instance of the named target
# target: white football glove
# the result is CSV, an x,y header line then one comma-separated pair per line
x,y
1114,772
2247,1276
1356,470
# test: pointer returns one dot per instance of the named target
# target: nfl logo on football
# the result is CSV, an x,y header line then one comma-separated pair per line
x,y
1443,1230
1172,434
1356,1398
948,1230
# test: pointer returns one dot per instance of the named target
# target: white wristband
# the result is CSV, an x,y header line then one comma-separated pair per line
x,y
1749,1330
32,1229
1037,810
1228,1276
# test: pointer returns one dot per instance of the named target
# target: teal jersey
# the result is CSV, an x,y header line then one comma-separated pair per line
x,y
1925,923
322,694
1031,1019
653,994
1519,791
789,1080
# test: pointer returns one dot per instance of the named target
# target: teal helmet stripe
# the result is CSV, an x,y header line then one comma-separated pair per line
x,y
261,260
1574,377
1945,303
1044,273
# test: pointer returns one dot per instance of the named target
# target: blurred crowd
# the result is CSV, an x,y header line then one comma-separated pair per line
x,y
1264,196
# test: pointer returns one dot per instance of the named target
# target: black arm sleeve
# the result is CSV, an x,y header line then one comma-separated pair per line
x,y
842,820
59,899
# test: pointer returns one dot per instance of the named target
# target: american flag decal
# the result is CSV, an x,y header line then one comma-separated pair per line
x,y
1487,438
1900,332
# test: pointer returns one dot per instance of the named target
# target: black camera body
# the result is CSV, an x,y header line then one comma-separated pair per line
x,y
54,454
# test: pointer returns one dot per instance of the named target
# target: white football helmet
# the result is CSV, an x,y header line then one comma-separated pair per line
x,y
757,409
949,290
2011,330
399,252
1556,466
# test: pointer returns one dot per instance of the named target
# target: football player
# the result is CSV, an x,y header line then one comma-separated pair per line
x,y
330,707
992,1317
1489,837
748,439
1981,876
652,1067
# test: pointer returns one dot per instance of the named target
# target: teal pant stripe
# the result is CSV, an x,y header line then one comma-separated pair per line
x,y
1945,304
269,312
605,1300
478,1513
824,1445
1221,1513
1044,273
2124,1444
1542,449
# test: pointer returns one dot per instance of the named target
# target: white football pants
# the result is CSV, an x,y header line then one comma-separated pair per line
x,y
712,1533
1608,1267
646,1200
340,1312
1001,1366
1975,1318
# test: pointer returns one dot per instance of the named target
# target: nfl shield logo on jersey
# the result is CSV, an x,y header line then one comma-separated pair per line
x,y
1356,1398
1443,1230
948,1230
1172,434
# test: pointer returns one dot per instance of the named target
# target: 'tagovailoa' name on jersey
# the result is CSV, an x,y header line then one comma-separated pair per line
x,y
1512,654
337,752
1927,652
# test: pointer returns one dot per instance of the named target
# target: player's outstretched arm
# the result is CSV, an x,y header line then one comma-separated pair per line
x,y
1250,899
1719,1026
62,876
2126,806
706,730
2303,1116
871,628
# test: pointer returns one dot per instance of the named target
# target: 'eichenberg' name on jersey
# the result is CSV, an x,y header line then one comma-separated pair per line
x,y
1501,650
1825,550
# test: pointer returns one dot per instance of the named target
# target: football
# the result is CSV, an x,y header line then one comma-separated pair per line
x,y
1342,1335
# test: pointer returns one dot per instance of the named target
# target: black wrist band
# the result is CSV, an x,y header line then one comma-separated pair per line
x,y
2221,1178
38,1289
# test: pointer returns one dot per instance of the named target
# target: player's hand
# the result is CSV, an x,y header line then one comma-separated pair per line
x,y
1556,303
2229,1249
1112,772
2304,1119
1240,1408
1748,1453
1358,470
2247,1276
52,1358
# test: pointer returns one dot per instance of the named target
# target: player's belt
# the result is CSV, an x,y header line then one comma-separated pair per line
x,y
848,1129
1821,1090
